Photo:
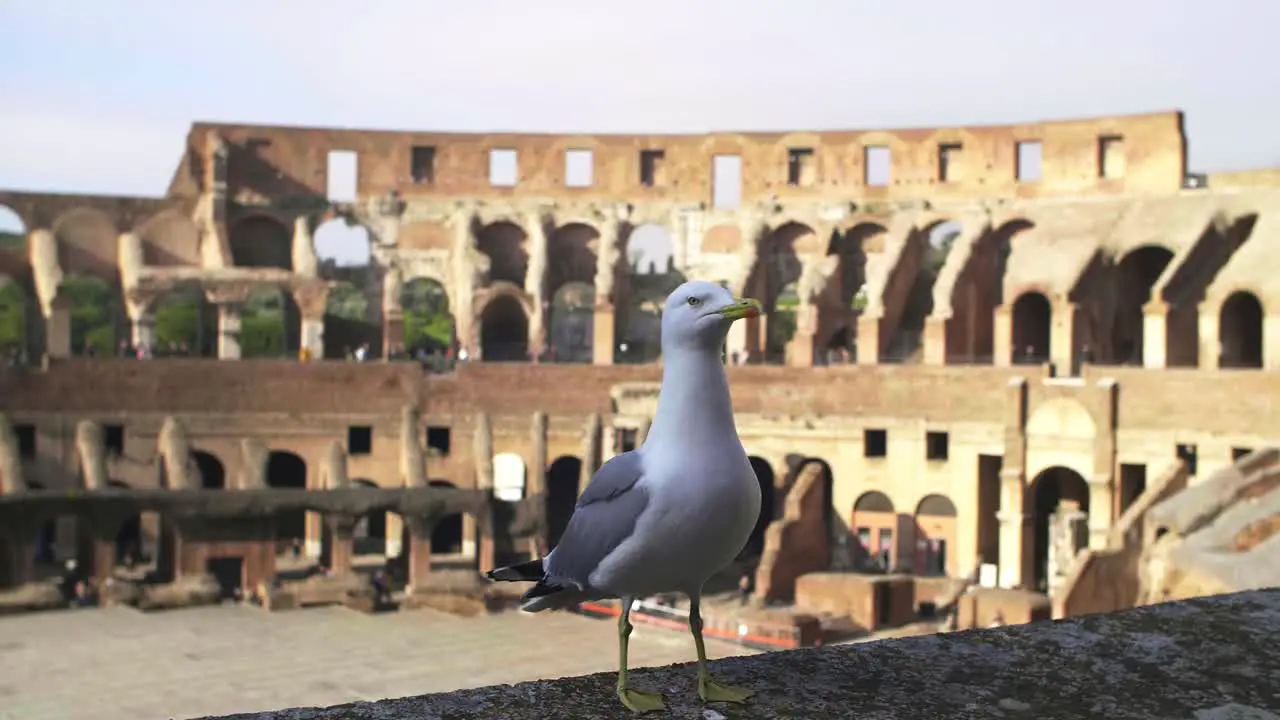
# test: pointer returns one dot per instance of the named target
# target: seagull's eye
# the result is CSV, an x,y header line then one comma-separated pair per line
x,y
695,302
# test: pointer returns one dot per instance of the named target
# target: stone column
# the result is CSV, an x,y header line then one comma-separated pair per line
x,y
935,340
229,331
392,309
1155,328
1270,340
604,332
868,340
1016,531
535,282
799,352
341,542
58,328
1002,336
536,481
1062,337
419,565
1210,341
312,299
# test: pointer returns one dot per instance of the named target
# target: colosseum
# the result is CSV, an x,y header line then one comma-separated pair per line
x,y
983,347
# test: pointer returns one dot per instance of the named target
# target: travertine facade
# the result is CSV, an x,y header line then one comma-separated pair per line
x,y
1077,243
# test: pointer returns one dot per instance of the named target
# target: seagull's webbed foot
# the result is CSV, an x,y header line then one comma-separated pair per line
x,y
640,702
712,690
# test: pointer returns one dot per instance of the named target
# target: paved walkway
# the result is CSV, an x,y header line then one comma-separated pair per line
x,y
119,663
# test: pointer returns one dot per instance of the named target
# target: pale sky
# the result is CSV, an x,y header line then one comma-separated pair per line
x,y
97,95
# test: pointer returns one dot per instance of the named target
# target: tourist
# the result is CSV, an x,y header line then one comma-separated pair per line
x,y
744,589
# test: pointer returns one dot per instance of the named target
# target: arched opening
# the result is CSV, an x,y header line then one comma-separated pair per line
x,y
764,476
265,321
572,323
428,323
213,476
186,324
562,495
650,277
129,539
446,537
1032,322
935,535
509,478
1240,332
875,524
96,310
350,320
506,246
929,249
844,297
341,243
570,287
369,537
57,546
261,242
504,331
15,329
1136,275
287,471
1060,497
13,232
977,291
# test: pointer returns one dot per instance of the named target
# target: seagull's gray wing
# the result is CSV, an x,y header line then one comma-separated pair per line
x,y
603,519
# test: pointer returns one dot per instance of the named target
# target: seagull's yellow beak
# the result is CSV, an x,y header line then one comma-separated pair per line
x,y
744,308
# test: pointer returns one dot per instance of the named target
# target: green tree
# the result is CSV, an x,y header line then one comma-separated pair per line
x,y
427,321
12,315
94,312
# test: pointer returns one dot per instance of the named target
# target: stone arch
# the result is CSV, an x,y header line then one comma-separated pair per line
x,y
563,478
1060,419
270,324
571,256
650,277
1136,275
1240,331
976,291
509,477
429,325
446,536
1060,509
765,476
213,474
261,241
875,526
936,535
288,471
1032,327
504,329
170,239
844,297
506,244
572,323
88,242
774,281
341,243
96,312
369,536
927,250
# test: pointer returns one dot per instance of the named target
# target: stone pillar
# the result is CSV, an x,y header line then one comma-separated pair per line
x,y
395,530
603,333
142,330
58,329
340,544
535,281
799,352
392,309
312,299
1062,337
1002,336
536,481
313,535
419,552
1155,328
1270,341
868,340
1210,342
229,331
1016,531
935,340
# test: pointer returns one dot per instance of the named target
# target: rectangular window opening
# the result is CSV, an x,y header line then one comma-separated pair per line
x,y
948,154
113,439
504,167
1187,454
801,167
877,169
579,168
1111,157
342,181
627,438
422,164
726,181
875,443
359,440
937,445
439,439
651,168
26,435
1029,155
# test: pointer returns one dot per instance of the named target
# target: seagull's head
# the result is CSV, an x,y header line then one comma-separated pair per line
x,y
698,314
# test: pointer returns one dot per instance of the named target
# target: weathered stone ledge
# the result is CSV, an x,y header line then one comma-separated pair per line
x,y
1207,659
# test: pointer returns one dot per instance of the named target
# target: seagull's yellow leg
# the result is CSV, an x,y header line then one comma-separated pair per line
x,y
637,701
708,688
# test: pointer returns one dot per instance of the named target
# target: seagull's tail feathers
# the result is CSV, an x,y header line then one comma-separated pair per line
x,y
531,571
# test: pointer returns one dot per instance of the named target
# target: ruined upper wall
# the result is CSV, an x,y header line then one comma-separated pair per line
x,y
1134,154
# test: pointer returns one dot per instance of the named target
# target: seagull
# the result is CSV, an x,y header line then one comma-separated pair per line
x,y
665,517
